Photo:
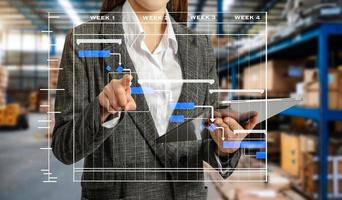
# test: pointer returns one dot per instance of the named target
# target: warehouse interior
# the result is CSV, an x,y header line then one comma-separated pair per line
x,y
300,46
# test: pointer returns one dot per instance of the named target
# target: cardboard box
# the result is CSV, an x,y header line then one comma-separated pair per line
x,y
340,100
273,142
308,143
311,81
290,154
3,86
12,109
338,126
53,79
9,115
292,148
282,76
311,166
3,78
311,91
298,123
310,173
312,99
10,121
310,76
3,82
2,99
2,116
334,79
33,101
259,194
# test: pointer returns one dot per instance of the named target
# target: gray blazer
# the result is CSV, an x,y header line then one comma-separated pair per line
x,y
125,162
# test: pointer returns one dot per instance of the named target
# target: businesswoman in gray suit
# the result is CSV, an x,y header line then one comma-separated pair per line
x,y
115,131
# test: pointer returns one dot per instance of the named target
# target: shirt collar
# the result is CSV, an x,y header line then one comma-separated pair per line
x,y
134,30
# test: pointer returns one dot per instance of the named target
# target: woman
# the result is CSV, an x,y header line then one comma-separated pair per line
x,y
115,130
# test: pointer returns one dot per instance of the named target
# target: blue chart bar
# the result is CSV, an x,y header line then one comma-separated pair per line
x,y
177,118
182,106
212,127
244,144
94,54
261,155
141,90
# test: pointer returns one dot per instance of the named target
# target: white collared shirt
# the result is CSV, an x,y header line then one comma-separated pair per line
x,y
162,64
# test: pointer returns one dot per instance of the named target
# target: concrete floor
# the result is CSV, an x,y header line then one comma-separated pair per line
x,y
21,161
20,164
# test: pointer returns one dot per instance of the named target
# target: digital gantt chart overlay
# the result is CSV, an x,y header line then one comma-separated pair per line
x,y
252,148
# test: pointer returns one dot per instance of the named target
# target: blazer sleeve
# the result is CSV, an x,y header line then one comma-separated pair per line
x,y
208,146
78,131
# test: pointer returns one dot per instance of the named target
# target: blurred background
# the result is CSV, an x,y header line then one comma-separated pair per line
x,y
304,54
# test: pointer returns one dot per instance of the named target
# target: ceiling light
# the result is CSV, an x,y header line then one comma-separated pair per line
x,y
227,4
70,11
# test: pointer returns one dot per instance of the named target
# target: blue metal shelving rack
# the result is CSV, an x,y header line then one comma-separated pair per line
x,y
319,35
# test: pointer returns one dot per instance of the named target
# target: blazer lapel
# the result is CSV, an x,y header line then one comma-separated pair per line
x,y
188,62
143,118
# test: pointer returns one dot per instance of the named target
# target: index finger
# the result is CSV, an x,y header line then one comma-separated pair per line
x,y
232,123
126,80
252,122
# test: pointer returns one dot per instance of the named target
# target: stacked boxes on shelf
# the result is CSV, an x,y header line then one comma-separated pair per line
x,y
292,148
299,159
53,80
310,175
9,115
282,76
311,88
33,101
273,146
285,77
305,44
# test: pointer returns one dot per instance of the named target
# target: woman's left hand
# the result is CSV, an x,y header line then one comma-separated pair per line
x,y
229,124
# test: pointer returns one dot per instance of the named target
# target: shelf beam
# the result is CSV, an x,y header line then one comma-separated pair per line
x,y
220,18
312,113
335,115
273,48
323,135
306,113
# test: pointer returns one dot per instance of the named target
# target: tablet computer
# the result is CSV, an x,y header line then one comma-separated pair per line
x,y
240,110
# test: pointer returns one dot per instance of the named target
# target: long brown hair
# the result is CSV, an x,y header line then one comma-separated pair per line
x,y
178,8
